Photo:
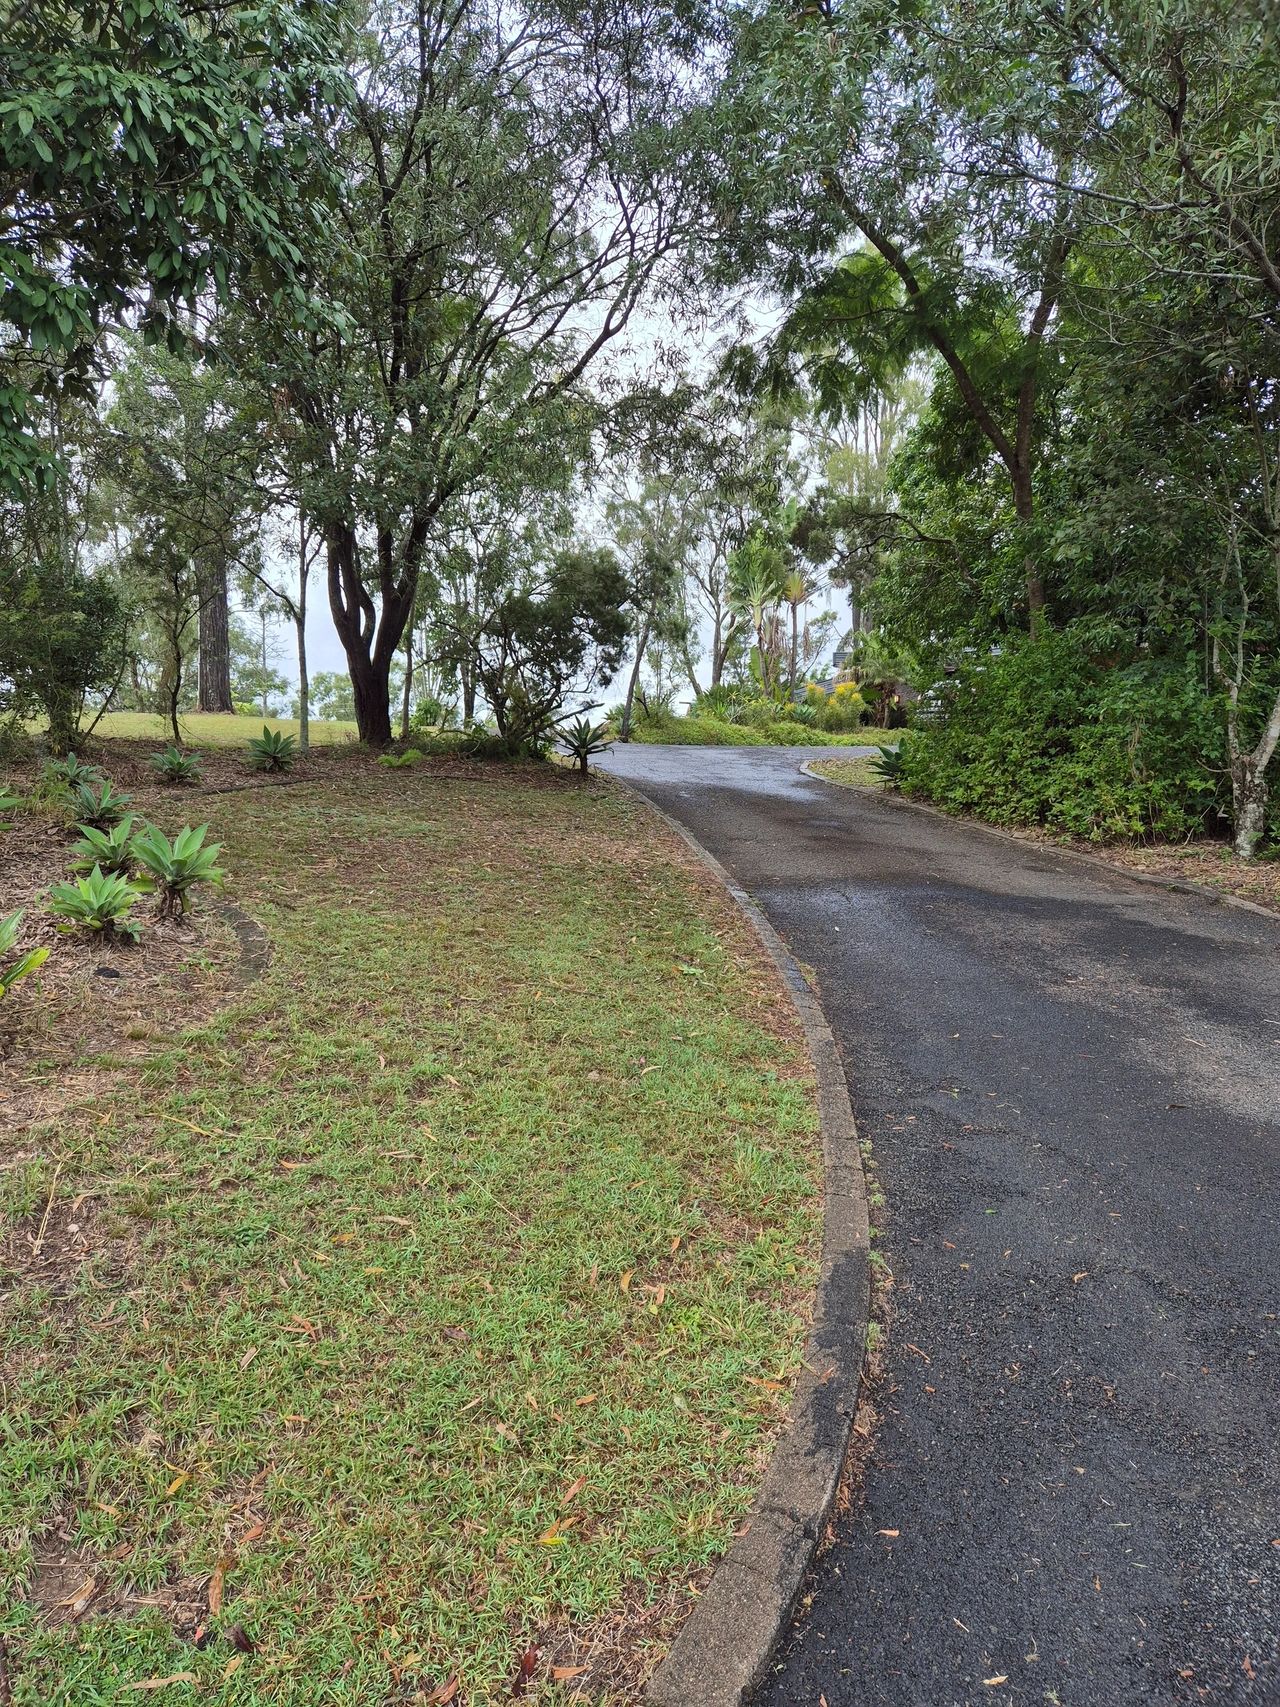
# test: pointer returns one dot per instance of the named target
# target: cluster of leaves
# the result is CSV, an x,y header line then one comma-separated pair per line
x,y
1045,734
18,969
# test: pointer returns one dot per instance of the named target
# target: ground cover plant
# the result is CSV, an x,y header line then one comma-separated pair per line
x,y
436,1297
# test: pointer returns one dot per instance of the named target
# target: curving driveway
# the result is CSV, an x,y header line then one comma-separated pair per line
x,y
1072,1083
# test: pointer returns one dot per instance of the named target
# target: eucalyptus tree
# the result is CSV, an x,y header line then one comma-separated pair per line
x,y
152,151
654,528
184,463
879,204
512,181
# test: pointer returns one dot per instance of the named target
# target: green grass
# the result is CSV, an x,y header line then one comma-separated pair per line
x,y
700,731
855,773
492,1206
216,728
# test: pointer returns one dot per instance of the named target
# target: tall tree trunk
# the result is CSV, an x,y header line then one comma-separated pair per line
x,y
1025,510
795,646
369,637
408,683
214,638
300,627
370,684
624,728
468,694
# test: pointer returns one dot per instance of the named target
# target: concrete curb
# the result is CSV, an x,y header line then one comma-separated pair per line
x,y
1100,862
723,1648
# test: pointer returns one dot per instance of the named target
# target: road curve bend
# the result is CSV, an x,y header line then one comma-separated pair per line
x,y
1072,1085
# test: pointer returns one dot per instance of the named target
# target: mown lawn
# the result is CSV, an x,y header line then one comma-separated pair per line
x,y
700,731
215,728
436,1297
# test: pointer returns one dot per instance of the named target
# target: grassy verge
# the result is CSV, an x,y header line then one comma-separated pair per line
x,y
438,1296
853,773
696,731
215,728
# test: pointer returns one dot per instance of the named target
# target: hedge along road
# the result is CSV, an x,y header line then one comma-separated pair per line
x,y
1072,1084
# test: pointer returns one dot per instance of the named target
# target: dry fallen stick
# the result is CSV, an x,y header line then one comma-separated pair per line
x,y
44,1219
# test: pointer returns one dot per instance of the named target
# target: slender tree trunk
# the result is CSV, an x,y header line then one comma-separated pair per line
x,y
300,626
214,638
263,661
624,729
408,683
468,695
795,646
1024,508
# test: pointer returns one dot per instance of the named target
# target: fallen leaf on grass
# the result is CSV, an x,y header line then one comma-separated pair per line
x,y
248,1358
528,1665
561,1674
176,1483
572,1491
624,1280
216,1582
446,1692
76,1603
232,1666
255,1533
587,1399
241,1640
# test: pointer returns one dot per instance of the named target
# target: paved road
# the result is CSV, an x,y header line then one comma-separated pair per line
x,y
1072,1083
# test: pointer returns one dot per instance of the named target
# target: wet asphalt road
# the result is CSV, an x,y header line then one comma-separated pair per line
x,y
1072,1085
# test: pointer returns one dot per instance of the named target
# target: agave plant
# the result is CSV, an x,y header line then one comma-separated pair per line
x,y
101,806
110,850
69,773
9,975
100,902
272,751
583,739
173,868
175,766
888,766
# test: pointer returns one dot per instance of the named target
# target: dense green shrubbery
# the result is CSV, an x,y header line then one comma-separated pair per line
x,y
1042,734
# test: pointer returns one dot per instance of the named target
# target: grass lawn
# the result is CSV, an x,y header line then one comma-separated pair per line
x,y
698,731
437,1294
215,728
855,773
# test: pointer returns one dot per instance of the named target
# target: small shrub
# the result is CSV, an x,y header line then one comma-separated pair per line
x,y
175,766
9,804
402,761
27,963
100,902
583,739
1044,734
101,806
69,773
109,849
174,868
272,751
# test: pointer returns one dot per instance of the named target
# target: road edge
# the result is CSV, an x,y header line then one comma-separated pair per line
x,y
1100,862
722,1650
